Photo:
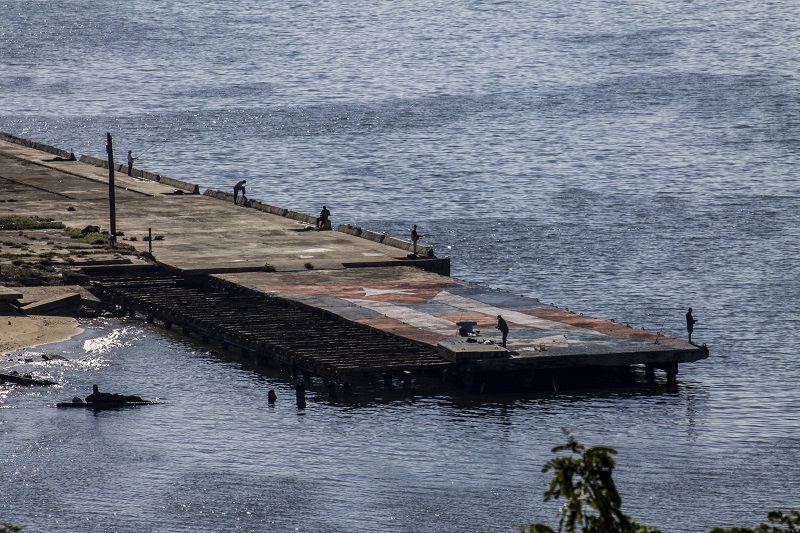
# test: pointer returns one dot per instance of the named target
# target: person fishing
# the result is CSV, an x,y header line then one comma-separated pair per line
x,y
414,239
502,325
131,159
690,322
323,217
239,187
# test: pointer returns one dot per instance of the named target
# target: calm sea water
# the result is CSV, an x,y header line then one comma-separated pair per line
x,y
625,159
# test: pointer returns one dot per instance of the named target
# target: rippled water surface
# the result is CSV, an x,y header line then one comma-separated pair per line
x,y
623,159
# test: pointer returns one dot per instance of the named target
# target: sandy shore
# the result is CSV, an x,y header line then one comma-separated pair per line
x,y
19,331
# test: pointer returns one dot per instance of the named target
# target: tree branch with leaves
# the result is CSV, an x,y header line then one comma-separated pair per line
x,y
592,504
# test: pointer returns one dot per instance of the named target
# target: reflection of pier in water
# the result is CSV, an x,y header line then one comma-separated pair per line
x,y
350,305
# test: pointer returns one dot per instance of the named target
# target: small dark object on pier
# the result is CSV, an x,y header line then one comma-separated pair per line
x,y
271,396
90,229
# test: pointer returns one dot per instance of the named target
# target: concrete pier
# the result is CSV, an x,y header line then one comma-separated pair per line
x,y
338,304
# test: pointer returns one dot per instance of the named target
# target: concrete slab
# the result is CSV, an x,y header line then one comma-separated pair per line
x,y
461,349
34,295
61,301
9,295
192,233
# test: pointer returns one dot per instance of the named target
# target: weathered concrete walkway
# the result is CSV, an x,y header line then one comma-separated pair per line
x,y
355,278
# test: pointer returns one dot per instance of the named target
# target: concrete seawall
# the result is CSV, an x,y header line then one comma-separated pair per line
x,y
35,145
139,173
192,188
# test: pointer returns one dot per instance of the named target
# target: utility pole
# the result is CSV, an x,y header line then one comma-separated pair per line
x,y
112,209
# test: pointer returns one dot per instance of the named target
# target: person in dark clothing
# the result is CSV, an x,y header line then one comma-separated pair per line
x,y
503,327
414,238
690,322
323,217
239,187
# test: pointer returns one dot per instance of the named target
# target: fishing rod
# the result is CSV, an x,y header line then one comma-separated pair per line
x,y
149,146
145,150
658,333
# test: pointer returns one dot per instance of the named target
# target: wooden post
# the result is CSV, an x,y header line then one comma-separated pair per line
x,y
150,242
672,374
112,209
300,393
650,373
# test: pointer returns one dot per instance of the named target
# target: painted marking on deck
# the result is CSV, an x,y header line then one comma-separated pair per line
x,y
468,304
377,292
408,316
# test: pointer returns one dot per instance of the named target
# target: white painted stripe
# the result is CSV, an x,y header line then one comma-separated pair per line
x,y
468,304
409,316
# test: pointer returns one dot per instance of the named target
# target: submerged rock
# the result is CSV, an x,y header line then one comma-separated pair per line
x,y
101,400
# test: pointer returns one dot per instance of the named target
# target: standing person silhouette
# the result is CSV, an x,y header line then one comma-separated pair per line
x,y
690,322
502,325
414,238
239,187
131,159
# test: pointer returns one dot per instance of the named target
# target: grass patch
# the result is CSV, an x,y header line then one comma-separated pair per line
x,y
102,239
74,233
23,274
125,248
97,239
44,264
22,222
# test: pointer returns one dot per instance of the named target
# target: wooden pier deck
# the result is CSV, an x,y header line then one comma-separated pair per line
x,y
264,326
333,303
